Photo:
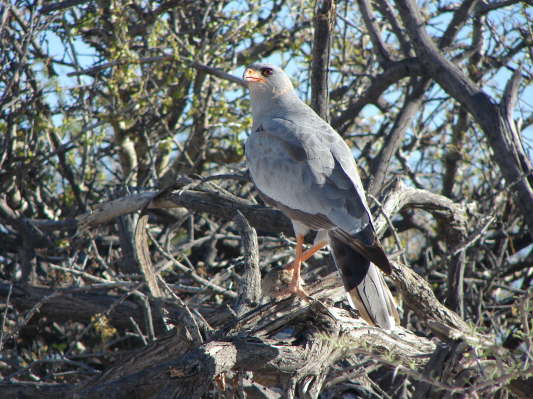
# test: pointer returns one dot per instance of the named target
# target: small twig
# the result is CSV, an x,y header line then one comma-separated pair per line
x,y
5,317
190,319
29,314
190,272
391,226
149,321
48,8
475,237
83,274
106,313
493,382
52,361
226,176
189,289
97,256
148,60
138,330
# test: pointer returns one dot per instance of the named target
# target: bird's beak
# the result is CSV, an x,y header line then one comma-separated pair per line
x,y
251,75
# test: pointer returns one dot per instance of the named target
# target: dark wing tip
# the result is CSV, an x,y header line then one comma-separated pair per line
x,y
373,252
376,255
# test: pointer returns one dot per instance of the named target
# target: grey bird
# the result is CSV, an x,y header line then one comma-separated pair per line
x,y
302,166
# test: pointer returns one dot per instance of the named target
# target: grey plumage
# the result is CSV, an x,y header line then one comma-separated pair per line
x,y
302,166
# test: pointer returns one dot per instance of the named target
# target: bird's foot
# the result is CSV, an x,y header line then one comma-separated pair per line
x,y
293,289
288,266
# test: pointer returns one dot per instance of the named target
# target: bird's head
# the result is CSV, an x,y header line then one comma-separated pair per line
x,y
267,79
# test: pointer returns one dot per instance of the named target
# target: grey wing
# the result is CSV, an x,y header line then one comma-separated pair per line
x,y
278,159
309,169
344,184
342,153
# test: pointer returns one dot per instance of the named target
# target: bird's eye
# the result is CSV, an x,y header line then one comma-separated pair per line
x,y
267,71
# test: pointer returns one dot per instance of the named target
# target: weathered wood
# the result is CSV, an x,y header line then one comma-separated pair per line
x,y
316,336
216,204
250,284
76,304
319,336
326,335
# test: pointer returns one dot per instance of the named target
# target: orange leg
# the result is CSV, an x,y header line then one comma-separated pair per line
x,y
295,286
313,250
307,254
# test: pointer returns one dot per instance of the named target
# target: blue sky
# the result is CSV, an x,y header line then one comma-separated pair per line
x,y
87,58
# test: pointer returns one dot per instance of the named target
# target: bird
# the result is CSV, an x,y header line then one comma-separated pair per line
x,y
303,167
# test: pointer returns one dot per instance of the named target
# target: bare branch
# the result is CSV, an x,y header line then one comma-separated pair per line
x,y
393,74
324,20
458,21
147,60
380,165
513,163
250,284
375,36
440,206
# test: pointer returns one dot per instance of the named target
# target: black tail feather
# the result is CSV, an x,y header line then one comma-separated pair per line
x,y
364,284
365,243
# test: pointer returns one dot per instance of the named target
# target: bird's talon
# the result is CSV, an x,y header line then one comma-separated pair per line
x,y
296,290
289,266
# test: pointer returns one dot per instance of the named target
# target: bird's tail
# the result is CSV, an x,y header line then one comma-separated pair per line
x,y
364,283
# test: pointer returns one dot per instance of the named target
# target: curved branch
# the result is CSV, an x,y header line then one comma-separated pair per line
x,y
395,72
440,206
216,203
381,163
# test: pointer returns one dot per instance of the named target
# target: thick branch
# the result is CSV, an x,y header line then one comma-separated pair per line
x,y
250,284
327,334
76,304
324,21
438,205
217,204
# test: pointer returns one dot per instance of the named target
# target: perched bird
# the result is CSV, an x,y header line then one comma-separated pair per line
x,y
302,166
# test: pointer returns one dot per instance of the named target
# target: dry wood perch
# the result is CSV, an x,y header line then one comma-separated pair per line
x,y
290,344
